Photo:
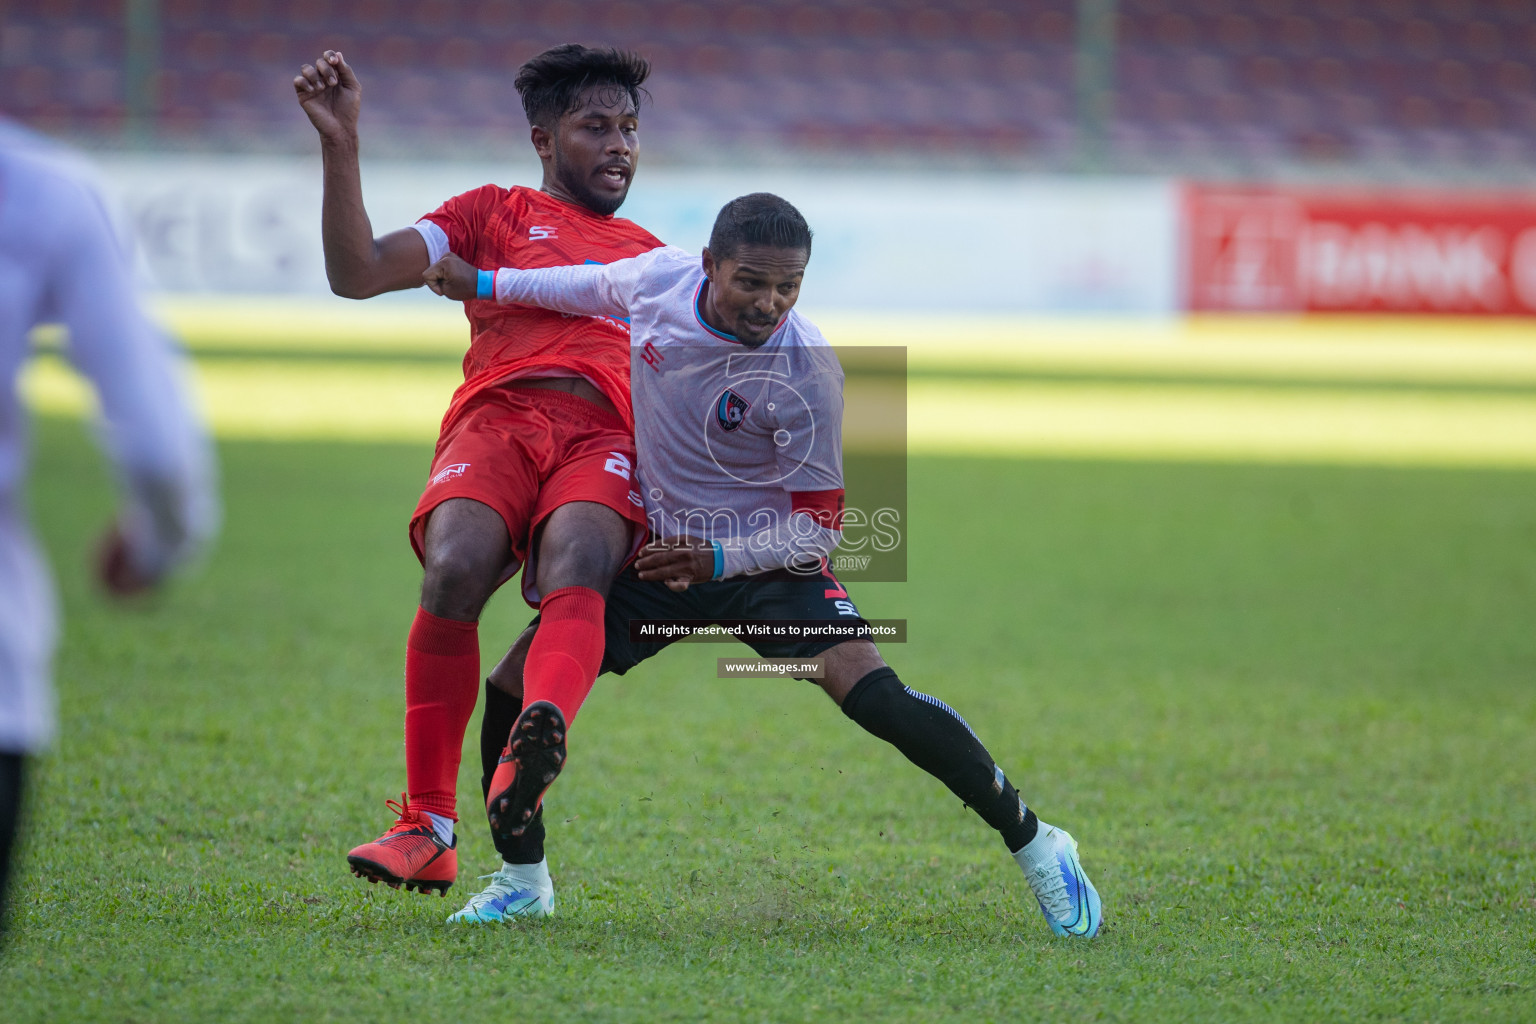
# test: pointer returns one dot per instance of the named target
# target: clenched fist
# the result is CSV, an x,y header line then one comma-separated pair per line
x,y
329,92
452,278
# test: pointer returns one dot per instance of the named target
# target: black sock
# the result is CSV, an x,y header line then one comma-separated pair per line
x,y
501,711
934,737
12,777
527,848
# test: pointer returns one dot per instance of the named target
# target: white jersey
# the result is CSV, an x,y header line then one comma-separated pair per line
x,y
60,262
737,444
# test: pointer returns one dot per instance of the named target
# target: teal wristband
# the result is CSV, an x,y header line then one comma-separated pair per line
x,y
485,285
719,561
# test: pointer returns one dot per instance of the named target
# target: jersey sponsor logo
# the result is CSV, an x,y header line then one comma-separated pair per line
x,y
845,608
652,357
538,232
731,410
449,472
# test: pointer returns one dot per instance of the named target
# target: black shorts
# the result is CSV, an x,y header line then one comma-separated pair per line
x,y
771,596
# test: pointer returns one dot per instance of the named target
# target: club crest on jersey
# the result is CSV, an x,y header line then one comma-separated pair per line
x,y
731,410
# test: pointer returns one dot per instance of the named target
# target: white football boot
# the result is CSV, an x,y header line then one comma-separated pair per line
x,y
517,890
1068,900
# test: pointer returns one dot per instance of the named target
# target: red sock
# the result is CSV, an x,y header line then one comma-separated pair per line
x,y
567,650
442,680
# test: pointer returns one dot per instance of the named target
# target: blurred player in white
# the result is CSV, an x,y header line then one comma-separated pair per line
x,y
738,403
60,262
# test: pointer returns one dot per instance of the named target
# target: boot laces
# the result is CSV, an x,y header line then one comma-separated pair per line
x,y
501,884
406,816
1050,888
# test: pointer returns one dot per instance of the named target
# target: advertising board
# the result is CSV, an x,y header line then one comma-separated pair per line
x,y
1338,250
886,241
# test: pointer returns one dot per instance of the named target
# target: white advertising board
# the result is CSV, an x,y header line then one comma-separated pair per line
x,y
885,242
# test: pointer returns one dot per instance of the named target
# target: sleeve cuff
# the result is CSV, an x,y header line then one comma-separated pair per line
x,y
435,237
734,561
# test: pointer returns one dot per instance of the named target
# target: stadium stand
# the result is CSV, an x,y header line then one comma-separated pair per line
x,y
1206,84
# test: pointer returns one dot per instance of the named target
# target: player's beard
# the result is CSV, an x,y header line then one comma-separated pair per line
x,y
580,188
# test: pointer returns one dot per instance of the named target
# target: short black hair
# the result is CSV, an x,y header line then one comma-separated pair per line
x,y
551,84
761,218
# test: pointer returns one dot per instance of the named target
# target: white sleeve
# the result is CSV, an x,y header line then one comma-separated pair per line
x,y
151,430
798,540
595,289
435,237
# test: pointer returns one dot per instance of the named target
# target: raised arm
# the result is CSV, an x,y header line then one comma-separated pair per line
x,y
593,289
357,264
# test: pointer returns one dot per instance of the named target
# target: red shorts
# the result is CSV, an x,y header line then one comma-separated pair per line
x,y
525,452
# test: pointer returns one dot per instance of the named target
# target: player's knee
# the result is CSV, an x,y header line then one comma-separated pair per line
x,y
457,582
846,665
577,568
581,559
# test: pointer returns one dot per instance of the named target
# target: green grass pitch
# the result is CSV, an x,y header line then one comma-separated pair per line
x,y
1289,712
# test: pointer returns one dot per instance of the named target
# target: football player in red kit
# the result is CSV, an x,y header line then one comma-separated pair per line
x,y
534,462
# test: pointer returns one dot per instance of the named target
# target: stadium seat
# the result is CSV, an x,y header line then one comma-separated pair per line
x,y
1299,78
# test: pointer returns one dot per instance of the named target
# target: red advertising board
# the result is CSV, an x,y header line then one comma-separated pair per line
x,y
1367,251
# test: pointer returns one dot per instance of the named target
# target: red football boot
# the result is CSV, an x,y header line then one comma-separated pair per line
x,y
532,759
409,854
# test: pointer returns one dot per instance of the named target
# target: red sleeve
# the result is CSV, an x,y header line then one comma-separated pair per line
x,y
464,217
826,507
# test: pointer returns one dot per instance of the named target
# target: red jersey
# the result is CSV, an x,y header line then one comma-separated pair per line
x,y
493,227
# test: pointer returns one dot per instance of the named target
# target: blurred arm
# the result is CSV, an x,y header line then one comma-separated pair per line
x,y
152,434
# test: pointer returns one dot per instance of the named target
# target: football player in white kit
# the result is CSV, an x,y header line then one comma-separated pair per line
x,y
60,262
744,504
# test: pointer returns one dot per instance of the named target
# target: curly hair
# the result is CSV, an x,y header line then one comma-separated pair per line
x,y
551,84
